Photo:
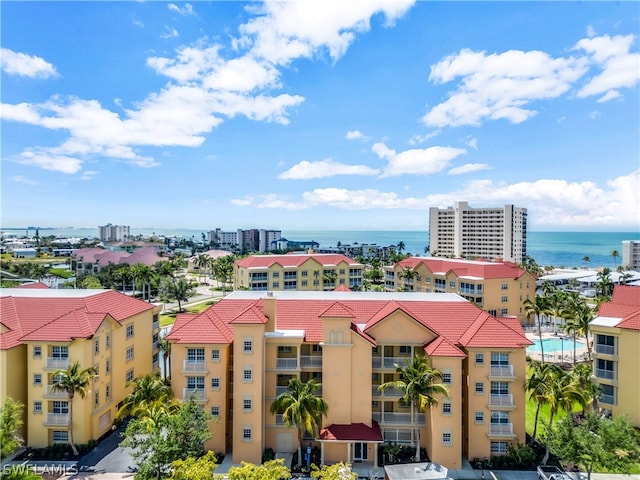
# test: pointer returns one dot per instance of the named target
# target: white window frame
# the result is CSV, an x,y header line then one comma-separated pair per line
x,y
247,403
478,417
479,360
37,351
247,375
215,383
37,379
60,434
247,433
129,354
447,438
215,411
215,355
447,408
479,388
130,331
447,378
37,406
247,345
129,376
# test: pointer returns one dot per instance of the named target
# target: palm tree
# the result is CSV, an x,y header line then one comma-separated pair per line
x,y
400,246
301,408
536,384
407,274
178,289
537,307
604,287
143,274
615,254
420,384
584,315
202,262
123,275
73,381
329,278
582,377
165,346
145,391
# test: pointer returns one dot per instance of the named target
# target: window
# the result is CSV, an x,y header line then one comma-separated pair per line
x,y
129,354
195,383
96,346
130,330
479,417
247,375
215,355
60,407
479,358
96,399
342,271
498,417
37,351
284,349
304,273
129,376
446,438
608,395
493,312
499,359
37,407
276,274
107,366
505,299
304,283
107,393
195,355
405,350
247,346
215,383
246,434
60,436
446,377
246,404
275,285
37,379
97,367
107,341
446,408
504,312
60,351
452,284
505,286
500,388
499,447
215,411
479,388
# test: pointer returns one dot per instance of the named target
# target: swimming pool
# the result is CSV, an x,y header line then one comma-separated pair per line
x,y
554,345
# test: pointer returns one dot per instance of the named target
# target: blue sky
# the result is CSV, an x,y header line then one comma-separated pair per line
x,y
319,115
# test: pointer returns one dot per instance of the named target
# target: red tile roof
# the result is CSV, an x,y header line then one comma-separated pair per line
x,y
34,285
354,432
289,260
56,315
203,328
465,268
441,347
626,295
624,304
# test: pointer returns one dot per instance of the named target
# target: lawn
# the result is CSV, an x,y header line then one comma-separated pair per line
x,y
543,417
167,319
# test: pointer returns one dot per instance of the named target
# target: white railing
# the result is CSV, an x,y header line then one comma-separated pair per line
x,y
605,349
608,374
199,393
287,363
397,436
391,362
397,418
191,366
51,393
503,400
387,392
501,429
501,371
57,419
311,360
376,362
155,325
57,362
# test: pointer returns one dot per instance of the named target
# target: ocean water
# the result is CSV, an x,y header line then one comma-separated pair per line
x,y
560,249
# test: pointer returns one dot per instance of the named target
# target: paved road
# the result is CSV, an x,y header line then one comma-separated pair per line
x,y
108,456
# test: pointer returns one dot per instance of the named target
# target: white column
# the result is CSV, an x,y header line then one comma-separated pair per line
x,y
349,452
321,454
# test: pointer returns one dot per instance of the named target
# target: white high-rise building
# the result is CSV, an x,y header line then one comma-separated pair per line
x,y
113,233
489,233
631,254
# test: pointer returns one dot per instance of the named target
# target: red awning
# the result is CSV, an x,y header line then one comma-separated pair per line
x,y
351,432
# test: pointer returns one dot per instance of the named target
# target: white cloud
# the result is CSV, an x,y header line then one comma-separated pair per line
x,y
169,33
49,161
187,10
325,168
354,135
499,85
88,174
595,114
416,161
473,143
138,23
610,95
15,63
23,179
420,139
468,168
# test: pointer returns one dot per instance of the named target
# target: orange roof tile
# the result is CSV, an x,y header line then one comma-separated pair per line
x,y
441,347
465,268
354,432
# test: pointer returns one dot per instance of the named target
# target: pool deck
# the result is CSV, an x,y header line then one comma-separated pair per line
x,y
565,356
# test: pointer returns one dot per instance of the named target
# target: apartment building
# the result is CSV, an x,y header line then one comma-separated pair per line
x,y
631,254
501,288
252,240
312,271
44,330
489,233
114,233
616,353
239,355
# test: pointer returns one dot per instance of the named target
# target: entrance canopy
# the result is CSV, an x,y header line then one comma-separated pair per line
x,y
351,432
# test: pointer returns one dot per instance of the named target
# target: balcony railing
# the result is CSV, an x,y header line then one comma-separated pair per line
x,y
391,362
501,429
311,360
191,366
605,349
199,393
504,400
57,419
608,374
387,392
155,325
57,362
397,418
501,371
51,393
287,363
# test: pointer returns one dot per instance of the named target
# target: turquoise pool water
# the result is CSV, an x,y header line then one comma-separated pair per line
x,y
554,345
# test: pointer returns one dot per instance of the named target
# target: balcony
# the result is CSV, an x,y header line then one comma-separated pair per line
x,y
387,392
501,430
389,418
191,366
51,393
607,374
388,362
156,325
56,363
311,361
501,371
502,400
287,363
57,419
198,393
605,349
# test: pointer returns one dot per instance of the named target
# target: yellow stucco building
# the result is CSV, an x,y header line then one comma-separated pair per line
x,y
239,355
616,353
500,288
306,272
45,330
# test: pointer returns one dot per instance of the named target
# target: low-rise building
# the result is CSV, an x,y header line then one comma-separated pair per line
x,y
616,353
311,271
44,330
501,288
239,355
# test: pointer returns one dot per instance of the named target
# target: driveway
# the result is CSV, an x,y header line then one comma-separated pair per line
x,y
108,456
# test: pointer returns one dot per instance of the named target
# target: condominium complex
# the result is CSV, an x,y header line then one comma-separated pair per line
x,y
489,233
616,353
253,240
501,288
113,233
313,271
45,330
237,356
631,254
